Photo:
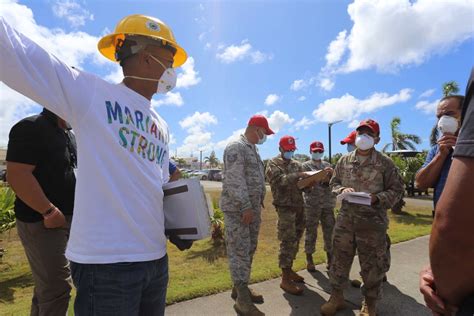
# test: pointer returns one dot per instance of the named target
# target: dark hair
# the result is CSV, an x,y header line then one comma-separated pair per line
x,y
459,97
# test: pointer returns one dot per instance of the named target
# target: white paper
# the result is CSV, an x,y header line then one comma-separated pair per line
x,y
190,209
362,198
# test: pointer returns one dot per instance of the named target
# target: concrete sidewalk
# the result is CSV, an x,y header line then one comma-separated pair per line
x,y
401,294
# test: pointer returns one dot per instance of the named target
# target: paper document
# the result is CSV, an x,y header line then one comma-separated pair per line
x,y
187,209
356,198
312,177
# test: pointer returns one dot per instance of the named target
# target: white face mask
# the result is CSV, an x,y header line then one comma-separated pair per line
x,y
167,81
364,142
317,156
448,124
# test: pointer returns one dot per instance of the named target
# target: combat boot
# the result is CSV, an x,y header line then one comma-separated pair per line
x,y
336,302
329,257
254,296
288,285
309,263
295,277
369,306
243,304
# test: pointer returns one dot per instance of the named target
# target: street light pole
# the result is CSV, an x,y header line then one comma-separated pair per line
x,y
200,160
329,135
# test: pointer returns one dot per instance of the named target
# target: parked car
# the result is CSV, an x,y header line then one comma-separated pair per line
x,y
202,175
211,174
218,176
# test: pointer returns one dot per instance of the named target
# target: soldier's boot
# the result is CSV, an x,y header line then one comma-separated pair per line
x,y
254,296
309,263
329,258
369,306
335,303
243,304
295,277
288,285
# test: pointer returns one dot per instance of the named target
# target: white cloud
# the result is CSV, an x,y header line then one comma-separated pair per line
x,y
271,99
198,138
298,85
304,123
302,98
170,98
427,107
202,36
233,53
354,124
326,84
348,108
73,48
14,107
72,12
235,136
278,119
172,139
427,93
336,49
116,75
386,34
189,76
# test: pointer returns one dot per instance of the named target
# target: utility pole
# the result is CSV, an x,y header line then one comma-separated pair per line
x,y
200,160
329,134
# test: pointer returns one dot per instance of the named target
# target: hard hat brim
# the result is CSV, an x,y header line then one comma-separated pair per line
x,y
107,44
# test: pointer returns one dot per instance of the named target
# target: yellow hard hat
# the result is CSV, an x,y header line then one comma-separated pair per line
x,y
138,24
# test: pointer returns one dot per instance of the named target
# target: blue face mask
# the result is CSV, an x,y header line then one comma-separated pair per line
x,y
317,156
350,147
288,155
262,140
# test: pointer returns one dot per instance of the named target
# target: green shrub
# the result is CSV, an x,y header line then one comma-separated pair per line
x,y
7,215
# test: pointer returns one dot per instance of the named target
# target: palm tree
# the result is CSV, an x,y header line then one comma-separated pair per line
x,y
450,88
212,160
401,140
180,161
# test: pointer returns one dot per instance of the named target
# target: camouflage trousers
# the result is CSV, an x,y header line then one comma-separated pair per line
x,y
241,242
290,230
313,215
369,238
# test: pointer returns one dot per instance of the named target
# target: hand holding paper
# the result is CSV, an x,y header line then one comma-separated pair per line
x,y
361,198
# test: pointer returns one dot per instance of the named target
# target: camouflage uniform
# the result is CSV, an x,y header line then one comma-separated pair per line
x,y
363,227
243,188
288,200
319,204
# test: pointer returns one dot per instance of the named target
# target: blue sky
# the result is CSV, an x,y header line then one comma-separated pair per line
x,y
302,64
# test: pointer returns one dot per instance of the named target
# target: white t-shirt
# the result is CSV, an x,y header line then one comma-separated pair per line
x,y
122,148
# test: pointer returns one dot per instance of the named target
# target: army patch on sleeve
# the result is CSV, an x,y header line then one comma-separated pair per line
x,y
232,158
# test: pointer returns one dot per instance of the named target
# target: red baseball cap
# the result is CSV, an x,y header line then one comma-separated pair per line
x,y
316,146
373,125
350,139
260,121
288,143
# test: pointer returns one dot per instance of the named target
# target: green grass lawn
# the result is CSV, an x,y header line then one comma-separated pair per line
x,y
203,269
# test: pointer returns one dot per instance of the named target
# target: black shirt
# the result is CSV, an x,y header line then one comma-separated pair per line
x,y
38,140
465,142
